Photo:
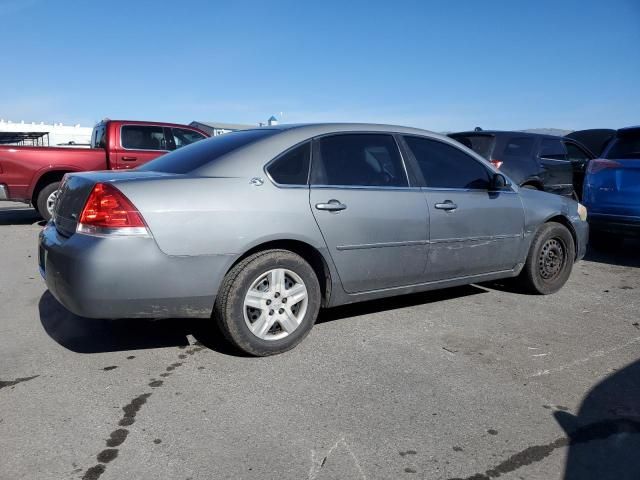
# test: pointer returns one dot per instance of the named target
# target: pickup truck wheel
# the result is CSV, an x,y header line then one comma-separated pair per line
x,y
268,302
47,199
550,259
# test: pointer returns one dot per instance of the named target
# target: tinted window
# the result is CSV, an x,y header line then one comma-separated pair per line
x,y
444,166
197,154
360,160
625,145
183,137
554,149
481,144
98,137
292,168
141,137
576,154
518,147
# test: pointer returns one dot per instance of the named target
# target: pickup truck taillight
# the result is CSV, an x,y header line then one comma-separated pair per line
x,y
108,211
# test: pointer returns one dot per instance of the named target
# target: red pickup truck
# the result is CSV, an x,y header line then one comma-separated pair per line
x,y
33,174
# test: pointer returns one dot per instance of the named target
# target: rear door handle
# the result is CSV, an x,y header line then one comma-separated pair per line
x,y
332,205
129,159
446,205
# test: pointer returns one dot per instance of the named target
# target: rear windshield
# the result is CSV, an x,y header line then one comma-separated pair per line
x,y
194,156
625,146
481,144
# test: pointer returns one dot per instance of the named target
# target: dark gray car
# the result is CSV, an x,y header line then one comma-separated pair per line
x,y
259,229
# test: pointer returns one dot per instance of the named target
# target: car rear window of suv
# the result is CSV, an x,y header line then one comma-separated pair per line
x,y
626,145
194,156
482,144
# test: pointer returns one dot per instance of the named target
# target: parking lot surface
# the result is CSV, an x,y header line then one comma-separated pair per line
x,y
475,382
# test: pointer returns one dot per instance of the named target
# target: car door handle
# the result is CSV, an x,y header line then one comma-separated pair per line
x,y
129,159
332,205
446,205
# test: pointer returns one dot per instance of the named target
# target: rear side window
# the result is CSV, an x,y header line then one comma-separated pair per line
x,y
183,137
518,147
142,137
292,168
553,149
444,166
625,146
196,155
359,160
481,144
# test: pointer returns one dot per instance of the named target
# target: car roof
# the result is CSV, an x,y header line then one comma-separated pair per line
x,y
332,127
505,133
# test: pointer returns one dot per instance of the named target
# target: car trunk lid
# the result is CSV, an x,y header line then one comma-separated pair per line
x,y
75,190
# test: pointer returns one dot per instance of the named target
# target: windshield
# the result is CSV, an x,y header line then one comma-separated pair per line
x,y
481,144
625,146
194,156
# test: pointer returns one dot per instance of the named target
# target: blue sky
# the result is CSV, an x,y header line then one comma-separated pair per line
x,y
433,64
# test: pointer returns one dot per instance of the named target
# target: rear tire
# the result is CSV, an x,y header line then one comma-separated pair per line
x,y
46,200
550,260
268,303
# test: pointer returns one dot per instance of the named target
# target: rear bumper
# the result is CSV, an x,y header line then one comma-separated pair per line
x,y
626,225
127,277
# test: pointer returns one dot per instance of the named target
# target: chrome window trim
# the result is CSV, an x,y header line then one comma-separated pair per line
x,y
485,190
141,149
364,187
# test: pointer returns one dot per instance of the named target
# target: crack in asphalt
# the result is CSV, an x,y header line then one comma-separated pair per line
x,y
118,436
10,383
588,433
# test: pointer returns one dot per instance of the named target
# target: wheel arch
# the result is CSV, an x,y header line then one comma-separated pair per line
x,y
310,253
534,182
45,178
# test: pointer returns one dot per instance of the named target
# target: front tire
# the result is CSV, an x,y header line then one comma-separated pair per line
x,y
46,200
268,302
550,259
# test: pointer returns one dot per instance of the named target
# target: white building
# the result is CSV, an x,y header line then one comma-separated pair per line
x,y
44,134
218,128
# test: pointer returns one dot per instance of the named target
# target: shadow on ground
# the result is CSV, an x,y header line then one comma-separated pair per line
x,y
87,335
20,216
623,252
604,438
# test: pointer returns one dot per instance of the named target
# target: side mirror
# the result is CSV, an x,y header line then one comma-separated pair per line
x,y
499,182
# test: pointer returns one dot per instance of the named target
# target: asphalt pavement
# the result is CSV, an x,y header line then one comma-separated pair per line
x,y
475,382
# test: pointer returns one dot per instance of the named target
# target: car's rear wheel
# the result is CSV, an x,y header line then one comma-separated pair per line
x,y
268,302
46,200
550,259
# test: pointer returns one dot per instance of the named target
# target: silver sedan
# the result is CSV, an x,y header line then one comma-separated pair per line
x,y
259,229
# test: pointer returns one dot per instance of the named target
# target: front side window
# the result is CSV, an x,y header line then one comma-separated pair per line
x,y
143,137
183,137
292,168
553,149
444,166
359,160
576,154
482,144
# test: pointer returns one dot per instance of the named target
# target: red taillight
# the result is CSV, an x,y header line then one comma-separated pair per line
x,y
108,210
496,163
598,164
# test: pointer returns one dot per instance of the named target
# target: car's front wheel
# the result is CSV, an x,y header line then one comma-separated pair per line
x,y
268,302
550,259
